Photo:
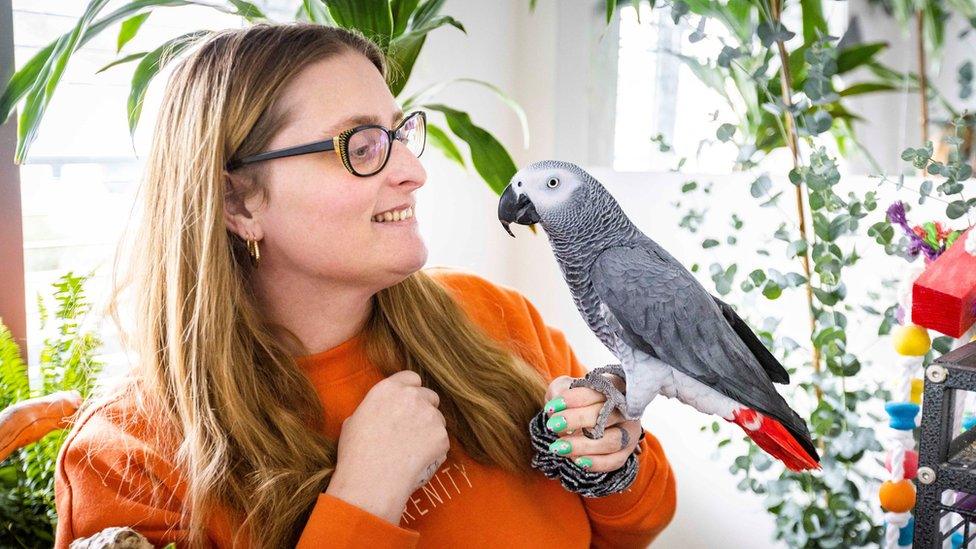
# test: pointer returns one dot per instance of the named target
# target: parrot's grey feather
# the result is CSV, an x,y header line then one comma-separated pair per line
x,y
776,372
662,306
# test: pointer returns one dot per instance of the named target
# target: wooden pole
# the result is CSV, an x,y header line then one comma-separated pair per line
x,y
793,142
13,312
923,81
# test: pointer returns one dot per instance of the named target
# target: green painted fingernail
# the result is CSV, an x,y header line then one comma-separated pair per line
x,y
584,462
561,447
555,405
556,423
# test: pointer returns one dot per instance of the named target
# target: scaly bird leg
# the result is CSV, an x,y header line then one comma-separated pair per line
x,y
595,380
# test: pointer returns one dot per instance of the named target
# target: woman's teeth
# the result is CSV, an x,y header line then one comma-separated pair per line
x,y
399,215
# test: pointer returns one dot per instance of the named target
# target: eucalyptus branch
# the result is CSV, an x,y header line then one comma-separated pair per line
x,y
793,143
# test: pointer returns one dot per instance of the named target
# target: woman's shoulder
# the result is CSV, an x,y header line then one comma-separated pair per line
x,y
109,433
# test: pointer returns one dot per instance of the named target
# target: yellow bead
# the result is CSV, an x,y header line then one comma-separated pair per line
x,y
916,396
911,340
897,497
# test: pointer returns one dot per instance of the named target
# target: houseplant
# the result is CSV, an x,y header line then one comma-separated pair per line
x,y
67,362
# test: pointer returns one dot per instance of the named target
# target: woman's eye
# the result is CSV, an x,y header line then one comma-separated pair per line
x,y
360,151
553,182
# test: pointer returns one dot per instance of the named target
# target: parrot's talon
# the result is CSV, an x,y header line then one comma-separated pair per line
x,y
614,399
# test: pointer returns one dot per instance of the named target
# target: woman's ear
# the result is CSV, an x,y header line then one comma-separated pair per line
x,y
238,208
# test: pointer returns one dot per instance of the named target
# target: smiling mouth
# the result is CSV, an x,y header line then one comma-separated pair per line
x,y
394,216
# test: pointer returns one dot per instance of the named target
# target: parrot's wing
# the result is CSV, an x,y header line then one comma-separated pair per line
x,y
664,310
776,372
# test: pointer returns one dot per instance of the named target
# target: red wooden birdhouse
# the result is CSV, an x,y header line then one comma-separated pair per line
x,y
944,296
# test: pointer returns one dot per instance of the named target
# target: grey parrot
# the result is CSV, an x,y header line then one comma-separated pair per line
x,y
670,335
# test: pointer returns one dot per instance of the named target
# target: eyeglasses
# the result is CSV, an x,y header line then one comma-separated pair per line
x,y
364,150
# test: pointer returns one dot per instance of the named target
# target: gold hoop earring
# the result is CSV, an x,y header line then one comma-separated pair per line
x,y
254,250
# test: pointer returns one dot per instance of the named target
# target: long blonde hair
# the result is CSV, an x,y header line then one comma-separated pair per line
x,y
216,376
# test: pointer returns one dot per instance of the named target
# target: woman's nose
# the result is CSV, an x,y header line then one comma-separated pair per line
x,y
404,166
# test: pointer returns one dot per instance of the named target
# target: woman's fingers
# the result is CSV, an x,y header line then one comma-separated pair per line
x,y
558,386
572,419
600,455
560,397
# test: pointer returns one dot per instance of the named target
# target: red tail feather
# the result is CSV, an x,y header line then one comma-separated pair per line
x,y
771,436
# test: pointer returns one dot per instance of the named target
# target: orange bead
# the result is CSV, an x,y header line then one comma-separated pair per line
x,y
897,497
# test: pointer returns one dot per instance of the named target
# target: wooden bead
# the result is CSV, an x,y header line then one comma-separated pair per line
x,y
897,497
911,340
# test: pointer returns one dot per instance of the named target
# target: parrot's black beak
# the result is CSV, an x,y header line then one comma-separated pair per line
x,y
516,210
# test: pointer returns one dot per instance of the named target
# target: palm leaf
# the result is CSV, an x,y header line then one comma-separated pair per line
x,y
489,157
150,66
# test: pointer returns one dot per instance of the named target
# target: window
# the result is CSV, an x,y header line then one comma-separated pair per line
x,y
664,111
79,180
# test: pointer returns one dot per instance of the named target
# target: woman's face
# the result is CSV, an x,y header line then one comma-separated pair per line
x,y
318,219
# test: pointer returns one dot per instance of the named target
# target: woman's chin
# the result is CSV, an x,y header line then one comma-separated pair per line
x,y
408,259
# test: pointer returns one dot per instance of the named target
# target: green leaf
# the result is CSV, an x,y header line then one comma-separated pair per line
x,y
814,23
709,243
316,12
725,132
867,87
426,94
442,141
489,157
42,89
129,29
248,11
126,59
37,71
611,7
150,66
404,49
760,186
796,248
402,10
770,32
957,209
373,18
855,56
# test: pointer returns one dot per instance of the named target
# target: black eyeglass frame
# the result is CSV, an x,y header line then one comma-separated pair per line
x,y
339,144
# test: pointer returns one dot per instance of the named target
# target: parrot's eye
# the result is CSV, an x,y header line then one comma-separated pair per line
x,y
552,183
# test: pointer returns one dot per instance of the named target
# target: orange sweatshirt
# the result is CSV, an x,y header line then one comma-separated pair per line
x,y
463,504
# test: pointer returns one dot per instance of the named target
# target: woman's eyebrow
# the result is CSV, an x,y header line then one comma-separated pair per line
x,y
361,120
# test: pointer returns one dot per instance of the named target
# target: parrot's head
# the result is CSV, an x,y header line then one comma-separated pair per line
x,y
556,194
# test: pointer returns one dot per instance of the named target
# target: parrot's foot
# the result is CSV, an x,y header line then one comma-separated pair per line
x,y
595,380
615,369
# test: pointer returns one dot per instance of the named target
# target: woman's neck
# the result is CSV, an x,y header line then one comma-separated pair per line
x,y
322,314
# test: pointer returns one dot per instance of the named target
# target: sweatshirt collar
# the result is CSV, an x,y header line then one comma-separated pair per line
x,y
343,360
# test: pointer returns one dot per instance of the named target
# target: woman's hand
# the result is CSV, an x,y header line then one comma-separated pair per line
x,y
569,410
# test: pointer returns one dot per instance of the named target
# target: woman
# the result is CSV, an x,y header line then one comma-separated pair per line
x,y
278,302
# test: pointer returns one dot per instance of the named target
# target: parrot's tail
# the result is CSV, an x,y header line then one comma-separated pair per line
x,y
771,436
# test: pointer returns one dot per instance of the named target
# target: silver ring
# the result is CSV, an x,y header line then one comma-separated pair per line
x,y
624,436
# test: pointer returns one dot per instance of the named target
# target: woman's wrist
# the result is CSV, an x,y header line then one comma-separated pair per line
x,y
364,496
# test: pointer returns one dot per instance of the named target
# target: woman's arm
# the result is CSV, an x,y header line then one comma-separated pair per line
x,y
632,518
105,475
